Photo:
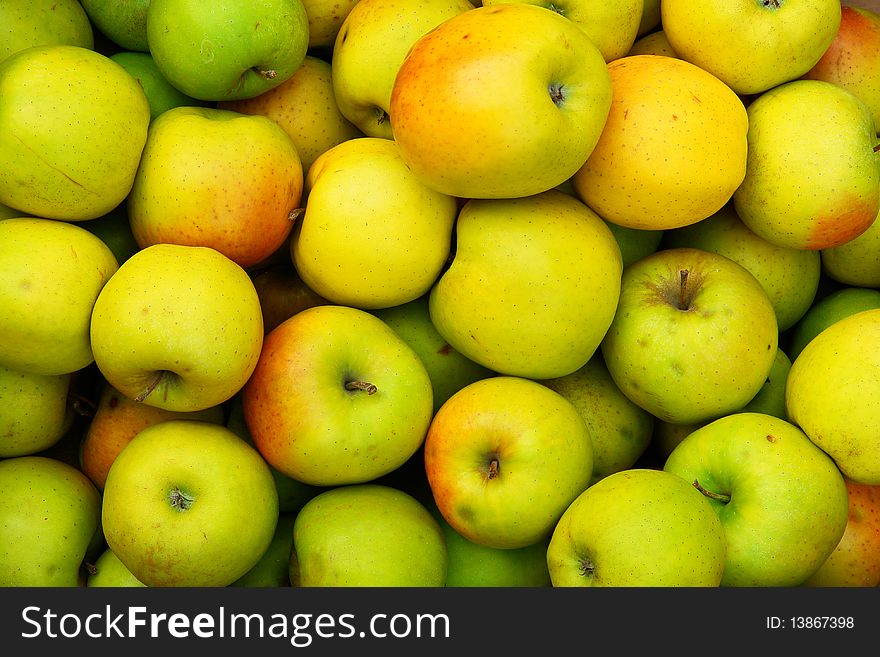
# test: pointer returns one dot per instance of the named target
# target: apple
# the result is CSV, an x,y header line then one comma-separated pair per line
x,y
114,230
109,571
189,503
831,391
367,535
337,397
670,123
504,457
305,107
235,50
694,336
10,213
667,436
448,369
770,399
282,293
161,94
325,20
638,527
73,124
216,178
373,235
852,60
273,568
612,26
532,287
619,429
856,559
856,262
116,420
124,23
26,23
650,20
790,276
752,46
469,103
653,43
781,500
369,48
813,179
50,520
51,273
635,243
35,412
177,327
827,310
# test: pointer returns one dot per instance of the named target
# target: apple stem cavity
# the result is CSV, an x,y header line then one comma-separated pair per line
x,y
381,116
369,388
180,500
771,4
720,497
151,386
557,93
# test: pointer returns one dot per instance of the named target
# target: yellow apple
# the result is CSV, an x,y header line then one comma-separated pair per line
x,y
650,20
325,19
654,43
857,261
26,23
35,412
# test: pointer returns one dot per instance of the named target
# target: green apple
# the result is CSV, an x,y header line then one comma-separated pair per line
x,y
752,45
177,327
449,369
124,23
73,124
114,230
235,50
325,20
831,394
667,436
337,397
35,412
372,234
192,168
504,456
282,293
694,336
367,535
856,262
790,276
51,273
812,177
26,23
782,500
469,102
635,243
532,287
161,94
638,527
50,520
109,571
619,429
273,568
612,26
369,49
189,503
770,399
827,310
305,107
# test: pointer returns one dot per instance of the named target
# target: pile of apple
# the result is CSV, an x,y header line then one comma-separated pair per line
x,y
439,293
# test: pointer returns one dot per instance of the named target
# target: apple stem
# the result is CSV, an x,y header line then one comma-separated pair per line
x,y
151,386
369,388
269,74
877,148
295,214
721,497
82,406
682,285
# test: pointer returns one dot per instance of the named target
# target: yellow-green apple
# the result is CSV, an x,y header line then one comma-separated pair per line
x,y
273,568
369,49
532,287
856,559
35,412
654,43
124,23
825,311
109,571
770,399
26,23
448,368
670,123
694,336
189,503
504,457
373,235
856,262
177,327
813,179
832,390
367,535
161,94
116,420
500,102
282,294
781,500
235,50
50,520
852,61
325,19
635,243
667,436
638,527
337,397
766,42
650,20
790,276
114,230
10,213
612,26
619,429
51,273
305,107
73,124
216,178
